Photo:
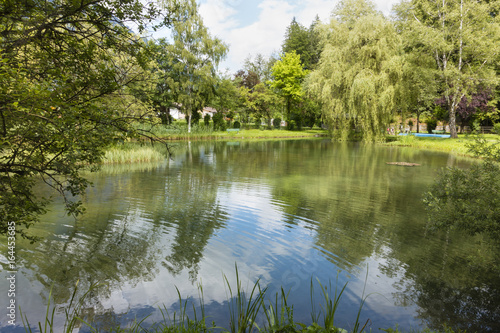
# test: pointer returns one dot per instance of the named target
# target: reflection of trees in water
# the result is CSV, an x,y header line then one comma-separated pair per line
x,y
455,279
358,206
347,189
358,203
193,207
129,225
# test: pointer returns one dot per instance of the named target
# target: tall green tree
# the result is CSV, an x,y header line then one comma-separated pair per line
x,y
226,95
348,12
264,102
260,66
357,78
64,68
194,57
288,76
305,42
162,95
463,37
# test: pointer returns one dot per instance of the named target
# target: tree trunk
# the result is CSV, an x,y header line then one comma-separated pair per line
x,y
453,126
189,123
418,122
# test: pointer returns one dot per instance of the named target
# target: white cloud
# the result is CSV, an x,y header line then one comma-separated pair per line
x,y
310,8
218,16
263,36
265,33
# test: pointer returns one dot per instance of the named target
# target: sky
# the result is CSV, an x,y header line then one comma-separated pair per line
x,y
250,27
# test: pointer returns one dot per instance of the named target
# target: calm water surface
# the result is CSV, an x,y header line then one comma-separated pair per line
x,y
284,212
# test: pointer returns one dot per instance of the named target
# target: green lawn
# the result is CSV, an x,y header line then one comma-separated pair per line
x,y
178,131
454,146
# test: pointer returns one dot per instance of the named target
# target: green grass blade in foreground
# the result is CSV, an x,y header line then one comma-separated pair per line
x,y
280,316
72,314
243,309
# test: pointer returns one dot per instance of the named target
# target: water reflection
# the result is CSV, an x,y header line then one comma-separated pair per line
x,y
283,211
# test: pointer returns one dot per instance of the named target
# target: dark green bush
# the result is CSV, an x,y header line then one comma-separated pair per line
x,y
195,118
431,125
496,128
277,123
236,124
206,119
219,123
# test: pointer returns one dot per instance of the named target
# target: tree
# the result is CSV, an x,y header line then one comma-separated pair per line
x,y
477,103
226,95
247,78
357,79
305,42
416,91
288,75
264,102
467,200
462,37
261,66
194,57
70,79
348,12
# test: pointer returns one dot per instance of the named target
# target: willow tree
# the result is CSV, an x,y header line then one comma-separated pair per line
x,y
463,37
357,78
194,57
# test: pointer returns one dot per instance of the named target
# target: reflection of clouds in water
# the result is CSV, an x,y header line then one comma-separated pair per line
x,y
379,289
252,239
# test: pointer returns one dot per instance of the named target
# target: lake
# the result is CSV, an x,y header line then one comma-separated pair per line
x,y
284,212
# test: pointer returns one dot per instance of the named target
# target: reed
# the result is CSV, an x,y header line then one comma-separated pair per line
x,y
72,314
118,155
245,309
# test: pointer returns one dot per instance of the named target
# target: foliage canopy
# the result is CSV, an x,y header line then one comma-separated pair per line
x,y
71,80
357,78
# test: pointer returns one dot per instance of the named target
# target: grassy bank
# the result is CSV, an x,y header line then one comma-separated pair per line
x,y
179,131
454,146
248,311
129,153
133,153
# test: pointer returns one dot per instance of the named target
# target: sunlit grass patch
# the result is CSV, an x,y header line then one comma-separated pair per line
x,y
454,146
122,155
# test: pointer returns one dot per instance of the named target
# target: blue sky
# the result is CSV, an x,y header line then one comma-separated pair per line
x,y
258,26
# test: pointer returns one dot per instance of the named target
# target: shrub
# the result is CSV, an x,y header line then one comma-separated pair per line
x,y
219,123
431,125
195,118
466,200
236,124
277,123
290,125
496,128
206,119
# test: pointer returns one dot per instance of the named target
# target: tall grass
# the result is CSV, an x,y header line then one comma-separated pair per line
x,y
72,314
243,307
121,155
179,131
